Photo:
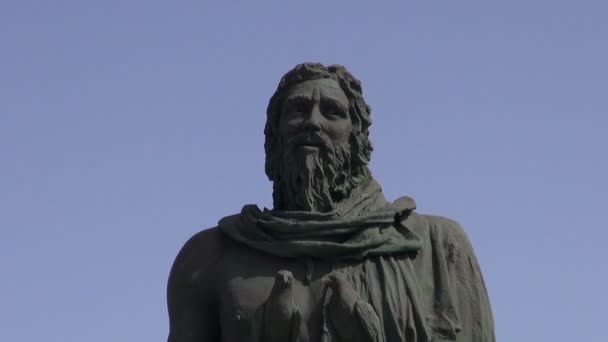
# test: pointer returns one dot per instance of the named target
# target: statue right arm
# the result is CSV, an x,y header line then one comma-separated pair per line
x,y
191,299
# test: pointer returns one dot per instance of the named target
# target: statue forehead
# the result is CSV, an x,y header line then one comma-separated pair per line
x,y
327,87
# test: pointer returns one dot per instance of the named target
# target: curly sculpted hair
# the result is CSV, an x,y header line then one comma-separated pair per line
x,y
359,113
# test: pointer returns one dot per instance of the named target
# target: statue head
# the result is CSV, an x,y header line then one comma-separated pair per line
x,y
317,138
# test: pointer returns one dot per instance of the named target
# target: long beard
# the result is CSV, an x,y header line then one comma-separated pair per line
x,y
314,180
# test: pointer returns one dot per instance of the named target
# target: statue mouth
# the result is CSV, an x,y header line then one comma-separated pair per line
x,y
313,142
311,147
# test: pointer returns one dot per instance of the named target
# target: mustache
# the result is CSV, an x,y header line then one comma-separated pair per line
x,y
313,139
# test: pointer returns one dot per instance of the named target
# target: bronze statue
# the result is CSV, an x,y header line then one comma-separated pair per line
x,y
333,260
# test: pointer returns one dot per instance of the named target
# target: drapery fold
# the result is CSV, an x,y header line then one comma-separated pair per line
x,y
418,272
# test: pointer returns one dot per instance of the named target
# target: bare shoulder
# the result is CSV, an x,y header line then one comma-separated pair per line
x,y
197,259
202,246
191,289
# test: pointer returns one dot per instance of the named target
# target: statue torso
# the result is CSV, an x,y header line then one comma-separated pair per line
x,y
443,279
245,279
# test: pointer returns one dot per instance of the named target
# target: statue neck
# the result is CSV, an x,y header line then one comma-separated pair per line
x,y
366,193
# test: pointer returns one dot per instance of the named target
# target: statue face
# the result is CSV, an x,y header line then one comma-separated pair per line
x,y
314,132
315,106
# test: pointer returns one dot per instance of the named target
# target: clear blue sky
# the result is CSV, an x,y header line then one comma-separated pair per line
x,y
128,126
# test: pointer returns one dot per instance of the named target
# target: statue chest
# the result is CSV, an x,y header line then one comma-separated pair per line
x,y
245,282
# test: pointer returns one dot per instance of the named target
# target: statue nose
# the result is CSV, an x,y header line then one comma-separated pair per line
x,y
313,121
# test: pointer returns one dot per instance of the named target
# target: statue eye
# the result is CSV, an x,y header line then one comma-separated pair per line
x,y
301,107
298,108
332,110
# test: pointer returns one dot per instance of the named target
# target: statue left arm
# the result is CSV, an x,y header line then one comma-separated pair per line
x,y
474,311
459,308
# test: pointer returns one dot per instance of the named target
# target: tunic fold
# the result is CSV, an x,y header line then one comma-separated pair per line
x,y
418,272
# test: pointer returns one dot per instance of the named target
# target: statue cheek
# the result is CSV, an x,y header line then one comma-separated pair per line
x,y
289,127
339,132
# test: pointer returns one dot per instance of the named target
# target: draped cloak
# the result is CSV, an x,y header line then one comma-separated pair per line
x,y
418,272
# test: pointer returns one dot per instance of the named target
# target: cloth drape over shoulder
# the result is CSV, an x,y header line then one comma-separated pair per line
x,y
418,272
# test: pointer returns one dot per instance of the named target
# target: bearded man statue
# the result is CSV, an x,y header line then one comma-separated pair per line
x,y
333,260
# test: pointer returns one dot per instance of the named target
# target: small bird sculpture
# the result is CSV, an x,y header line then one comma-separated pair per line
x,y
352,319
278,319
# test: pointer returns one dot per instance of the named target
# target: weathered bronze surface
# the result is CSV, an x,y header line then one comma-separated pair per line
x,y
333,260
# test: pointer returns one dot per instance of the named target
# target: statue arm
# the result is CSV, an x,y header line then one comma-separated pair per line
x,y
191,301
474,304
459,305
